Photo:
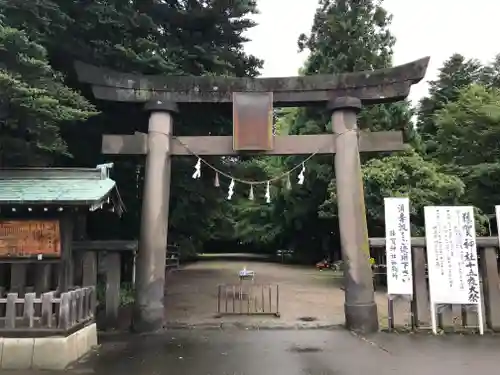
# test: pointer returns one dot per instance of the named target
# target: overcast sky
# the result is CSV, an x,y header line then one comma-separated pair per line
x,y
435,28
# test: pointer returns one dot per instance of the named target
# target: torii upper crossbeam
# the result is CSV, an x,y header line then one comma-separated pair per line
x,y
371,87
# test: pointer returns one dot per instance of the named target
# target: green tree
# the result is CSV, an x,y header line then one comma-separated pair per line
x,y
457,122
118,34
456,73
196,37
350,36
407,175
467,133
206,36
346,36
491,73
35,103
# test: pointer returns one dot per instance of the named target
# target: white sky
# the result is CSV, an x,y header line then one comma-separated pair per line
x,y
436,28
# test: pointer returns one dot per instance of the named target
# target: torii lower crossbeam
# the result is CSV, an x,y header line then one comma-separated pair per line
x,y
137,144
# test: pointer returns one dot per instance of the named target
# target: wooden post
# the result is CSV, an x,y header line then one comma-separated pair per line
x,y
421,292
42,278
112,288
150,278
64,311
29,309
80,234
89,269
359,307
491,282
18,277
47,309
3,276
10,311
65,266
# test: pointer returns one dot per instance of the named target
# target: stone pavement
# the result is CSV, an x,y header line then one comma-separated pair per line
x,y
300,352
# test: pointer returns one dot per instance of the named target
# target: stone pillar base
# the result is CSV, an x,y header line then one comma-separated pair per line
x,y
362,318
148,318
46,353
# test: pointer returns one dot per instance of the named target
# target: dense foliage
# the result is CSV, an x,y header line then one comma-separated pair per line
x,y
452,159
175,37
346,36
47,118
34,101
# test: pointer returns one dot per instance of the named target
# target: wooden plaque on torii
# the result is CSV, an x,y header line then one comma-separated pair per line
x,y
253,121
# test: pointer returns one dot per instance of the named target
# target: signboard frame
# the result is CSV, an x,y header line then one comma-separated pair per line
x,y
30,238
449,244
398,241
396,245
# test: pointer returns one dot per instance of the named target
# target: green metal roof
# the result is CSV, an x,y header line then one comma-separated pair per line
x,y
58,186
56,191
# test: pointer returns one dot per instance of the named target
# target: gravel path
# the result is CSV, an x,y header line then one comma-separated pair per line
x,y
191,295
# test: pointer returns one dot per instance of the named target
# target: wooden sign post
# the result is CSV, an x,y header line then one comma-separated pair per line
x,y
344,94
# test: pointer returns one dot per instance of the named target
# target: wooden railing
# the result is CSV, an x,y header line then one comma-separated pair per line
x,y
455,315
51,314
26,278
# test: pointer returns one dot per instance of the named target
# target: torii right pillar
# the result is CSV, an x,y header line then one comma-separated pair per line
x,y
359,306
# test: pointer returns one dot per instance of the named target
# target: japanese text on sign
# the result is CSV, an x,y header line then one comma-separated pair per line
x,y
469,256
452,255
24,238
398,246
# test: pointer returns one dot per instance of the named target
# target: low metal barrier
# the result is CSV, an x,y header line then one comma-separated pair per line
x,y
172,261
249,299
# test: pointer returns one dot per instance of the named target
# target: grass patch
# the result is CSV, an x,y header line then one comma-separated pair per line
x,y
127,294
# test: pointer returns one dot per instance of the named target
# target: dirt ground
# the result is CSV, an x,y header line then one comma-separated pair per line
x,y
304,292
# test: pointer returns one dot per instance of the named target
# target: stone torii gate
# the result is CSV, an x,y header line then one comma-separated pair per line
x,y
253,100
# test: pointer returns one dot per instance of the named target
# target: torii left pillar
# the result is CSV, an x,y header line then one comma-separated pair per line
x,y
359,306
149,310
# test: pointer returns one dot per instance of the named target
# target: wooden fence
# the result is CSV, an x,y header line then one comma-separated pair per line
x,y
51,314
92,261
453,315
33,280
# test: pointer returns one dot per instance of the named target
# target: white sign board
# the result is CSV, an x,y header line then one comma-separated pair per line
x,y
398,246
452,255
